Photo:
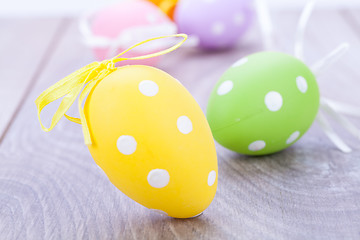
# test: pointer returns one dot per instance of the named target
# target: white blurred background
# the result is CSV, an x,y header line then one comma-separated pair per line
x,y
25,8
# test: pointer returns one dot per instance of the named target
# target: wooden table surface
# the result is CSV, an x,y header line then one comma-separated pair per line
x,y
50,187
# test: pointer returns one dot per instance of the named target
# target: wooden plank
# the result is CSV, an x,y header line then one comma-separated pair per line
x,y
51,188
23,47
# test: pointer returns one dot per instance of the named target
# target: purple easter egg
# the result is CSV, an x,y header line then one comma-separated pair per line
x,y
217,23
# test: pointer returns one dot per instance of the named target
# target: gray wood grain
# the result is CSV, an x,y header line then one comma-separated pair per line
x,y
23,48
50,188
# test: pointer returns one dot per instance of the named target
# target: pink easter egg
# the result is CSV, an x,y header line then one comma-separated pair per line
x,y
120,21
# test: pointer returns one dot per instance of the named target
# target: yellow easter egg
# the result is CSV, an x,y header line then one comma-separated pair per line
x,y
153,141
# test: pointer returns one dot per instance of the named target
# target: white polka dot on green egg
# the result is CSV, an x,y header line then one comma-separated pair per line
x,y
271,100
126,144
301,84
225,87
240,62
293,137
158,178
257,145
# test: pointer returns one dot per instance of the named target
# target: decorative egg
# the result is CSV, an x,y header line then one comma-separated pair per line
x,y
167,6
153,141
128,22
216,23
264,103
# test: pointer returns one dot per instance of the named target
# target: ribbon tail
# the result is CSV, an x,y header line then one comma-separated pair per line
x,y
73,119
83,95
266,24
65,104
343,107
93,82
300,34
346,124
68,88
85,127
329,131
64,86
329,59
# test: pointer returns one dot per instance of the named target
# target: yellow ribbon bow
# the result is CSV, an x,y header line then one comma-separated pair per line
x,y
83,81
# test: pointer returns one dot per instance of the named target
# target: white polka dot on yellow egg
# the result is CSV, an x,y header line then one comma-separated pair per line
x,y
257,145
148,88
211,178
273,101
184,124
126,144
158,178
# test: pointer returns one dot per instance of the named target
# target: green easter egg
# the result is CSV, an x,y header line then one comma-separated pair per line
x,y
263,104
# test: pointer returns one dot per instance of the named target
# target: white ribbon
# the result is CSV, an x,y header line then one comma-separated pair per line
x,y
266,25
327,106
89,39
300,33
351,128
329,59
333,108
330,133
343,107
